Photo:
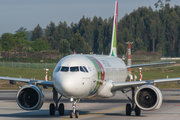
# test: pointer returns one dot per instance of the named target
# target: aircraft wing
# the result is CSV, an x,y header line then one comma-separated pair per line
x,y
150,64
38,82
123,85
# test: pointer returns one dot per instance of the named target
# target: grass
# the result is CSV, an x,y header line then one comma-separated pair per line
x,y
148,74
160,73
21,72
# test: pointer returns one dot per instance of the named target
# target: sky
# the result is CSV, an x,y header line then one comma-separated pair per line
x,y
28,13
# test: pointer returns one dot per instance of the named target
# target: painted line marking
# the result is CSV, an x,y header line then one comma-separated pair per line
x,y
98,112
173,97
114,109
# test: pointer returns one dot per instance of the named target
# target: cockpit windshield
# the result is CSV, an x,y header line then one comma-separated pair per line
x,y
74,69
82,69
57,69
85,68
64,69
71,69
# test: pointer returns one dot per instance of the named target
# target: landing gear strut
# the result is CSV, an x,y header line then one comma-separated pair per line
x,y
53,107
74,112
131,107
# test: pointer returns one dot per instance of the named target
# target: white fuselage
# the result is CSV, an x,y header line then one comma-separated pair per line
x,y
87,76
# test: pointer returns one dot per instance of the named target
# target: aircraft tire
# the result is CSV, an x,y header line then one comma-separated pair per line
x,y
61,109
128,109
71,114
137,111
76,114
52,109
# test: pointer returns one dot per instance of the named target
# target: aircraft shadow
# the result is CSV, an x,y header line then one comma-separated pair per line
x,y
34,114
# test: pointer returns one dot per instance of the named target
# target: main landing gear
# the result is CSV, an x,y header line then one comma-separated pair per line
x,y
53,108
74,112
131,107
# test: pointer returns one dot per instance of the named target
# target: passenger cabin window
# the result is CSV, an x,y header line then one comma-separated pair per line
x,y
64,69
57,69
82,69
85,69
74,69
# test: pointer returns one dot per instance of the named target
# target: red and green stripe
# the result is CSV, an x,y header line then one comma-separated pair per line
x,y
100,73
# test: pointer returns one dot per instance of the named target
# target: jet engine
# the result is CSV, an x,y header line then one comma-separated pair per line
x,y
30,97
148,97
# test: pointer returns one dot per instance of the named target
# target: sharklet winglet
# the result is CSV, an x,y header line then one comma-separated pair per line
x,y
113,51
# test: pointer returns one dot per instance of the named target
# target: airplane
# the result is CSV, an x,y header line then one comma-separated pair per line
x,y
80,76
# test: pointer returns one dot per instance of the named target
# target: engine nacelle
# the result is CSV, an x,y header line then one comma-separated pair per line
x,y
30,97
148,97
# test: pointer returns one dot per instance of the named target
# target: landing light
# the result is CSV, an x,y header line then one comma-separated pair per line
x,y
71,99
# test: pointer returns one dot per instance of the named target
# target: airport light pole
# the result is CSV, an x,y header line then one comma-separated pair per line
x,y
46,77
129,56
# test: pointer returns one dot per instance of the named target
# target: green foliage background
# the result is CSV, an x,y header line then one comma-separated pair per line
x,y
149,30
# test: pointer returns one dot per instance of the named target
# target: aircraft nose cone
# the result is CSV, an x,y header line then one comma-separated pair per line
x,y
69,87
72,85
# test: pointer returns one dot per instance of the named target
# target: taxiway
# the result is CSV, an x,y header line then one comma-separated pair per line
x,y
106,109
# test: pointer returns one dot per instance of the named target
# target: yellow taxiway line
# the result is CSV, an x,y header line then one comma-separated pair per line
x,y
173,97
98,112
113,109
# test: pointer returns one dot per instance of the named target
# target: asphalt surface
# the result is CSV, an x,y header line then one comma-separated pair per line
x,y
106,109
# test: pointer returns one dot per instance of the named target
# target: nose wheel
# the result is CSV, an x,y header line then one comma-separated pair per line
x,y
74,112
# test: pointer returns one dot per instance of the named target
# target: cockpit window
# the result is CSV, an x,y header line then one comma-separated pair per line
x,y
74,69
64,69
82,69
85,69
57,69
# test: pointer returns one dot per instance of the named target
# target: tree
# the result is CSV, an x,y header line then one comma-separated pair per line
x,y
49,35
100,39
140,27
21,29
60,33
53,43
37,33
77,43
50,29
21,35
95,34
64,46
40,45
88,36
153,34
120,49
8,41
21,41
86,48
138,45
160,3
172,31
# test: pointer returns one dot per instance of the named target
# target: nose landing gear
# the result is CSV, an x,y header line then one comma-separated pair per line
x,y
74,112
